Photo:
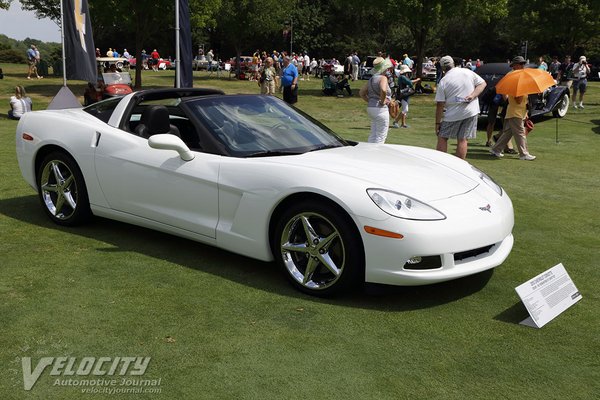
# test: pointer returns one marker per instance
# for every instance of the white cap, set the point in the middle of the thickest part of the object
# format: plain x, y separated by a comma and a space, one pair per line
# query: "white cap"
447, 61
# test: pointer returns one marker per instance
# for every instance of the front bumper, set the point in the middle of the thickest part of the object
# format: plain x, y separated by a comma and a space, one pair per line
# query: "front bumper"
461, 245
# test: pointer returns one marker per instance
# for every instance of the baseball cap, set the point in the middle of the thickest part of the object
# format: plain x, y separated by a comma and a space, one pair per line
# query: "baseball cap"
447, 61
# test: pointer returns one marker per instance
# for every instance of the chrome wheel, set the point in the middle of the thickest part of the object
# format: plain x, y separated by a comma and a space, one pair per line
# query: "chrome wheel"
62, 190
59, 191
318, 246
312, 251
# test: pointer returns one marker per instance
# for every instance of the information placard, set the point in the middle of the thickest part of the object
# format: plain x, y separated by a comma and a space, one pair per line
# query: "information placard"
547, 295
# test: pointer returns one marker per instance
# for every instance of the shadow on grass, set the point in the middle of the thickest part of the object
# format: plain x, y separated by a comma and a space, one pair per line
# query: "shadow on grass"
514, 314
261, 275
596, 128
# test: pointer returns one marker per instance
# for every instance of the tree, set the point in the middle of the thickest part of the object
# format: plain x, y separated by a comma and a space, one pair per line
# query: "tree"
423, 17
43, 8
243, 21
556, 27
5, 4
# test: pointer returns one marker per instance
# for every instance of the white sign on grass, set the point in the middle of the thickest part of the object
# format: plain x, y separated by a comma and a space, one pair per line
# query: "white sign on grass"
547, 295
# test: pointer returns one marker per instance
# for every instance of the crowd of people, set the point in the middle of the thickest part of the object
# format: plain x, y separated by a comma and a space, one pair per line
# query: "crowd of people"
392, 81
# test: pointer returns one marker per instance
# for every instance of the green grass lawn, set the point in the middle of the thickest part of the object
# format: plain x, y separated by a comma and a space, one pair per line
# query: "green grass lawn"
221, 326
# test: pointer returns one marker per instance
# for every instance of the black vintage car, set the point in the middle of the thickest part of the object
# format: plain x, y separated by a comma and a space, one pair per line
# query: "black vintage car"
554, 99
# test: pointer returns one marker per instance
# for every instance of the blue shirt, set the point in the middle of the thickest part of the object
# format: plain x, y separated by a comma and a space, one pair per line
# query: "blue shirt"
289, 74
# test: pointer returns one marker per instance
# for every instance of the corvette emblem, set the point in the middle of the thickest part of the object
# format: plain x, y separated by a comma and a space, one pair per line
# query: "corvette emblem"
487, 208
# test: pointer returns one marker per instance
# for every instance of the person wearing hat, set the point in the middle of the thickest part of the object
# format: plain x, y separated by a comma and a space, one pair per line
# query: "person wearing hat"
581, 71
404, 82
516, 112
457, 107
378, 95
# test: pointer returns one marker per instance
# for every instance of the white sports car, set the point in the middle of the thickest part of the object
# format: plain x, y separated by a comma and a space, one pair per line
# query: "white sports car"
254, 176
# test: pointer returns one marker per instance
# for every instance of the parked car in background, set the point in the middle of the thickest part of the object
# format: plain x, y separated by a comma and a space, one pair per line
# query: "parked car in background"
329, 68
555, 99
112, 81
428, 72
245, 66
200, 63
104, 63
366, 67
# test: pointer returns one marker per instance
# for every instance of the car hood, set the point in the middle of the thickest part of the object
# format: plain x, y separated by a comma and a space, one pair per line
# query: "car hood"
424, 174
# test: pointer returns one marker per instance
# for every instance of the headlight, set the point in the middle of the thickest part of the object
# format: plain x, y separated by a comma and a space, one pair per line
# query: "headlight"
488, 181
402, 206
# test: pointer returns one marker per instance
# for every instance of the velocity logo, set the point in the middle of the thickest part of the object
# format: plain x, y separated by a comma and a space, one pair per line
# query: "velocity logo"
71, 366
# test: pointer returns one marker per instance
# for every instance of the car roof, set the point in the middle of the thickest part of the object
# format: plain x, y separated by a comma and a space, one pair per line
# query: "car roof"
498, 68
158, 94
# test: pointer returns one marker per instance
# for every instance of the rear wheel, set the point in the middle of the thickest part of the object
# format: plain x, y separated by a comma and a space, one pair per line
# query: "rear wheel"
62, 190
562, 107
318, 248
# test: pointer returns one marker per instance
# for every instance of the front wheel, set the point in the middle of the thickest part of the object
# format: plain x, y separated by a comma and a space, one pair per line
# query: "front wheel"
62, 190
319, 248
562, 108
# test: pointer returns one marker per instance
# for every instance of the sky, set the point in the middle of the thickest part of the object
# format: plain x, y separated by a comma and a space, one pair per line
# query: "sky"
18, 24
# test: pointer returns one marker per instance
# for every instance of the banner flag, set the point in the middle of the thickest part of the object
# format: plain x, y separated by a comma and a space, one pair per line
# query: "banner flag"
185, 46
80, 52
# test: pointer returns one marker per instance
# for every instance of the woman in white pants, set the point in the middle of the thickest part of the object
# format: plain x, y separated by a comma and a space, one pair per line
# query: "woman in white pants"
378, 95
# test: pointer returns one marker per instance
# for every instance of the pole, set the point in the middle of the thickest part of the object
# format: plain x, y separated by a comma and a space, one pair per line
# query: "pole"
177, 51
62, 40
291, 34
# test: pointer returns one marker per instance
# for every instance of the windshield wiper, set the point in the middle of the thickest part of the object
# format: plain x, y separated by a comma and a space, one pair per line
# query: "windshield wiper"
270, 153
326, 146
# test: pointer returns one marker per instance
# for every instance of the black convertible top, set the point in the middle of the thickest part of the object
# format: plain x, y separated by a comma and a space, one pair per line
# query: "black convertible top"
158, 94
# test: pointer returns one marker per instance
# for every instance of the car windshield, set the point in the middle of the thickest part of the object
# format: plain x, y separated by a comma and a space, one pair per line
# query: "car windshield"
113, 78
252, 126
103, 109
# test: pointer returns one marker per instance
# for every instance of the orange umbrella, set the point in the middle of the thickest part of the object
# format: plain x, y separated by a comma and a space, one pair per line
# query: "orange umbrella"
524, 81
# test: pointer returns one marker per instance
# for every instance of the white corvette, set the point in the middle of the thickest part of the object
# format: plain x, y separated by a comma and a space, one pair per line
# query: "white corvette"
254, 176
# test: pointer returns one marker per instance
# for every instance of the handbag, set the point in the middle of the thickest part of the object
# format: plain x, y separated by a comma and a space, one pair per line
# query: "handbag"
528, 124
405, 93
394, 109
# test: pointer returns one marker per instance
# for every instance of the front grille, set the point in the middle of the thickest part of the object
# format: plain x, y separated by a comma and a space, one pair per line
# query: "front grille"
472, 253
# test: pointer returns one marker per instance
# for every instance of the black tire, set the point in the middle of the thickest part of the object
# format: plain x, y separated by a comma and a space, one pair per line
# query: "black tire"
62, 190
318, 248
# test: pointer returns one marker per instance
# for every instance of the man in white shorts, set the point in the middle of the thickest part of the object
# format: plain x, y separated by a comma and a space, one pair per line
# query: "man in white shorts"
457, 106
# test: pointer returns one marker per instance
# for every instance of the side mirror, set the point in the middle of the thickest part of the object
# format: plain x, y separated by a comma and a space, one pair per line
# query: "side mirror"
171, 142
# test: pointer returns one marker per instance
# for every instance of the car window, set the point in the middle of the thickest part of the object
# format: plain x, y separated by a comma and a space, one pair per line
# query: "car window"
177, 118
261, 125
103, 109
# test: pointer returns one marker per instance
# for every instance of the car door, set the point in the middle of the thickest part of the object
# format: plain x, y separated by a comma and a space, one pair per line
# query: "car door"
157, 184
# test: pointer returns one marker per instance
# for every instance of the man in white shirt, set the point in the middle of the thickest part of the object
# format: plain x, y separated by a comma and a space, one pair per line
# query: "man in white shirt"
457, 93
581, 71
